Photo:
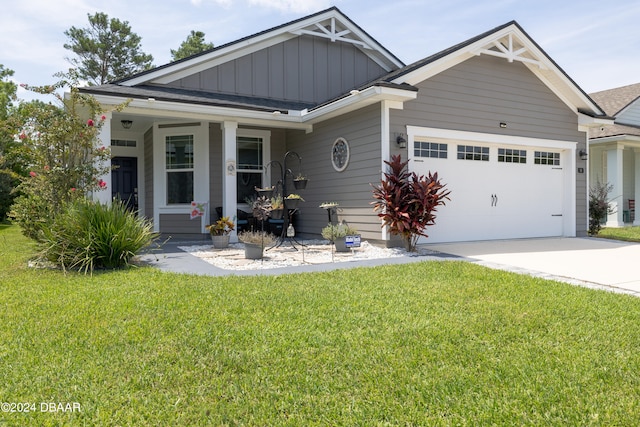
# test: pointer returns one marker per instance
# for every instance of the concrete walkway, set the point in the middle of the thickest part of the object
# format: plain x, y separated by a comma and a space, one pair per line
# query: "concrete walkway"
603, 263
596, 263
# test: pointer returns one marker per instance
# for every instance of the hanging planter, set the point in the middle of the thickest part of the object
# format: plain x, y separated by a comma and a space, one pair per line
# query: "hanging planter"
300, 183
292, 201
264, 192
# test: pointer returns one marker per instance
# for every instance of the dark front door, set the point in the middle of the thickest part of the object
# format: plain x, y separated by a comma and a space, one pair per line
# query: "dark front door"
124, 181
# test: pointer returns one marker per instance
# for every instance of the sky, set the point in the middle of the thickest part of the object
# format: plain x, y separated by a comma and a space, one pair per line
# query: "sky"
596, 43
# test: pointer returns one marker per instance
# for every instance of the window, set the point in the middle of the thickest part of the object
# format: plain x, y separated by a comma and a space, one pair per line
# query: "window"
546, 158
429, 149
471, 152
507, 155
250, 166
179, 165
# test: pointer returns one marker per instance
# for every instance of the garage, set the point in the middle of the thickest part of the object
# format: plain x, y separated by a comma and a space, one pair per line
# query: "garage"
501, 187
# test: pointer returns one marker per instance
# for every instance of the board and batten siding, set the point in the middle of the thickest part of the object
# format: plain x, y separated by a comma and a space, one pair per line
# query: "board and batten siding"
305, 69
148, 173
350, 188
482, 92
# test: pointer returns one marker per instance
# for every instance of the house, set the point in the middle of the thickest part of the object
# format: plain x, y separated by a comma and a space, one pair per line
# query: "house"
499, 121
614, 152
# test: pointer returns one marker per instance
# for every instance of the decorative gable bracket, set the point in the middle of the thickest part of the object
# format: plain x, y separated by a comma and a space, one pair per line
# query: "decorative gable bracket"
334, 31
512, 49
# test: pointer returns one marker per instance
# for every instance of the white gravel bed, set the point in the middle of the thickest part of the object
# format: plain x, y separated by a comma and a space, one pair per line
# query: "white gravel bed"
311, 252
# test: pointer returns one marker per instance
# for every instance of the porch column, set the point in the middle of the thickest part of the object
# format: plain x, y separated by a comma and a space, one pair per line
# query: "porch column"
615, 179
229, 187
104, 196
636, 176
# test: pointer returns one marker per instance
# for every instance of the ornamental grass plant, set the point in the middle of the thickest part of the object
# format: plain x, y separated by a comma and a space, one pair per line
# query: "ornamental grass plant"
88, 235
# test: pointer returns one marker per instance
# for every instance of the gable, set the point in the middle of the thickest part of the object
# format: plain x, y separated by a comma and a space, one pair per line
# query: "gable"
484, 91
630, 115
305, 69
511, 44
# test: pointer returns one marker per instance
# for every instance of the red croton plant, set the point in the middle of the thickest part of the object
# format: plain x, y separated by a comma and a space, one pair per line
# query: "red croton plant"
407, 202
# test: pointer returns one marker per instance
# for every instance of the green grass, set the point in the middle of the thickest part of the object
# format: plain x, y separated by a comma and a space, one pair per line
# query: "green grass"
628, 234
440, 343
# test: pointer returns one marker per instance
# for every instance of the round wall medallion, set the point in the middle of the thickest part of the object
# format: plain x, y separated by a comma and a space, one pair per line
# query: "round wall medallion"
340, 154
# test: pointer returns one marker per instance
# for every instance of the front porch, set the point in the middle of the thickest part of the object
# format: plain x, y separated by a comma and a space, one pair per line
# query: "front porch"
617, 163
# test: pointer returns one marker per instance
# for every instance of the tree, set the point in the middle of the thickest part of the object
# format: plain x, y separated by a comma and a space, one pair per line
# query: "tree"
8, 178
407, 202
193, 44
106, 51
61, 146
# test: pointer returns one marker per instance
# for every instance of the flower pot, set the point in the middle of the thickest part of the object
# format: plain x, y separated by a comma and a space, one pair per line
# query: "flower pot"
253, 251
277, 213
220, 241
341, 245
300, 184
291, 203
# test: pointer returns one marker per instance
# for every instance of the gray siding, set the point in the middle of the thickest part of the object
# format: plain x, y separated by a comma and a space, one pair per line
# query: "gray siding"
148, 173
178, 224
307, 69
481, 92
350, 188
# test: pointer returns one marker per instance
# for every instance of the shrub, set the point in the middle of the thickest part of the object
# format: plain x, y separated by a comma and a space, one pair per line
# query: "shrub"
89, 235
599, 207
336, 231
407, 202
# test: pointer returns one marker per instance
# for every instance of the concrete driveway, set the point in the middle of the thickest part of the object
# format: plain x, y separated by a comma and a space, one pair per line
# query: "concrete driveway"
597, 261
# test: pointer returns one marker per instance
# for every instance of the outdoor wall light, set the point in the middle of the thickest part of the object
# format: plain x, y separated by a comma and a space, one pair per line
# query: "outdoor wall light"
126, 123
583, 155
401, 141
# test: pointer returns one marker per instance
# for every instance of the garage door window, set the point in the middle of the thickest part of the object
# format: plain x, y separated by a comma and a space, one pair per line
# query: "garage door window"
546, 158
508, 155
471, 152
429, 149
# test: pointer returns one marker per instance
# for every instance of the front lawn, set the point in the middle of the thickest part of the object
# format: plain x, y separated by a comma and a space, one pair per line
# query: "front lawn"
628, 234
440, 343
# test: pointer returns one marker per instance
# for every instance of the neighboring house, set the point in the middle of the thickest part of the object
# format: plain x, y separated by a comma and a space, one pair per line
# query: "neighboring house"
614, 152
499, 121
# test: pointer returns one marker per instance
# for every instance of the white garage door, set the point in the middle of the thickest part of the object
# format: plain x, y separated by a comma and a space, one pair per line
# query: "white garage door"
498, 191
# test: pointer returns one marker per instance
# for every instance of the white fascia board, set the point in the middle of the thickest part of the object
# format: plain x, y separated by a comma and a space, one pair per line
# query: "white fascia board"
615, 139
355, 101
206, 112
588, 121
487, 138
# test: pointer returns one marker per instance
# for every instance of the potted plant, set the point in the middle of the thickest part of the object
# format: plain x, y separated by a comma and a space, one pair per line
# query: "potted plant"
292, 201
277, 207
255, 242
336, 234
220, 231
300, 181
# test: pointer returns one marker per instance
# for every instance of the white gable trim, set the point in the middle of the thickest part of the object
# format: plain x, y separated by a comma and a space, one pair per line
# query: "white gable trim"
511, 44
314, 25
